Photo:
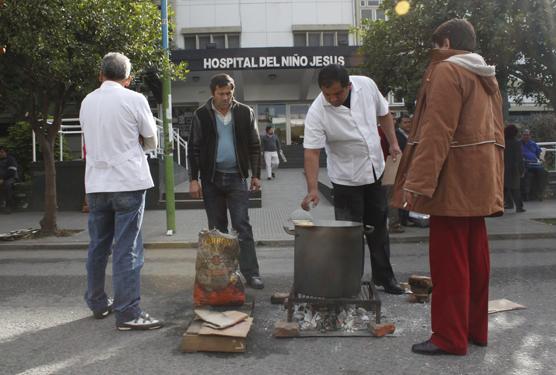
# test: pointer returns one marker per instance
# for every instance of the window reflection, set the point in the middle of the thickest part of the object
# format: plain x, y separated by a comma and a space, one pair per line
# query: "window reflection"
297, 122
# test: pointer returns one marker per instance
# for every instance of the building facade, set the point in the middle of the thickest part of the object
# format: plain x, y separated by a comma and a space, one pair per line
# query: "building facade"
272, 48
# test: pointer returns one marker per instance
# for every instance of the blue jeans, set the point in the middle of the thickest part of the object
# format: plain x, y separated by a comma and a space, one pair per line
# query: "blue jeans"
228, 191
115, 221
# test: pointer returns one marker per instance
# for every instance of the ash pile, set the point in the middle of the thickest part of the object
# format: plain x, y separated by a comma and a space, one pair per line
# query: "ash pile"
345, 318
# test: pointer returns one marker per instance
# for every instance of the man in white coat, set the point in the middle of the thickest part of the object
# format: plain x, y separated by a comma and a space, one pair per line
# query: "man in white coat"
119, 128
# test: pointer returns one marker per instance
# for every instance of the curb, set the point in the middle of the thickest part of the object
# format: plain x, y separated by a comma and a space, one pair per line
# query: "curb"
190, 245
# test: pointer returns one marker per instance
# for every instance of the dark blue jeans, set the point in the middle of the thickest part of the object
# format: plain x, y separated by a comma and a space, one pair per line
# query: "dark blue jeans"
115, 226
229, 191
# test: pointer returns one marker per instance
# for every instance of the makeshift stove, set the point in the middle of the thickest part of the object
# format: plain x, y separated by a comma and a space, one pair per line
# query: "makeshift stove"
328, 314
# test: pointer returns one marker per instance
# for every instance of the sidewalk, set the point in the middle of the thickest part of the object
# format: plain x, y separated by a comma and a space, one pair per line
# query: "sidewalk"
280, 197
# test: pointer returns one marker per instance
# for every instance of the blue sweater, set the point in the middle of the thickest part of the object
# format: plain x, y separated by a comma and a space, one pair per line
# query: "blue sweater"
226, 152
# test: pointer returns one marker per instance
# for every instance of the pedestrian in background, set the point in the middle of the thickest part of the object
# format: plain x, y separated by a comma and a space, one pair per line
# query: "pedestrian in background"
116, 122
514, 169
8, 177
453, 169
536, 177
271, 147
223, 146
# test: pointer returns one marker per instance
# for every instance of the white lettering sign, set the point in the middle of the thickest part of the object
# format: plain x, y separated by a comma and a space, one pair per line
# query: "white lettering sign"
293, 61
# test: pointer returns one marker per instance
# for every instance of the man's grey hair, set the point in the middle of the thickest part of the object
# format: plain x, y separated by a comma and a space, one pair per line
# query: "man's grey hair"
115, 66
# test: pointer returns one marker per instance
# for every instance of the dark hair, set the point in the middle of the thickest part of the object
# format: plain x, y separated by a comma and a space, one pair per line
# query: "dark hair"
459, 32
510, 131
402, 116
221, 80
333, 73
3, 148
268, 128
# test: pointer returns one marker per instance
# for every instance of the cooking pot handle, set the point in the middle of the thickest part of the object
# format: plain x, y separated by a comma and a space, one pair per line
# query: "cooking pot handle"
289, 230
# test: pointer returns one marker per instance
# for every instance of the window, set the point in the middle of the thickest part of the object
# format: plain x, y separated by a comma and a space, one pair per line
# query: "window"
299, 40
343, 38
216, 40
219, 40
370, 10
320, 38
367, 14
203, 41
297, 122
328, 39
314, 39
233, 40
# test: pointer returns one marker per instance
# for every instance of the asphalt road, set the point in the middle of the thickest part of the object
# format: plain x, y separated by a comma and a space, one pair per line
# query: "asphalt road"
46, 328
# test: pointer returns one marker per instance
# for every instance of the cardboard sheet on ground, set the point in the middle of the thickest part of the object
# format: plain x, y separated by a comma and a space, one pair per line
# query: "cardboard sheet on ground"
390, 170
241, 329
220, 319
503, 304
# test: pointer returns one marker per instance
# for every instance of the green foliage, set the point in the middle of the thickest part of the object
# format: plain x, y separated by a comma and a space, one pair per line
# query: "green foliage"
518, 36
20, 144
542, 126
59, 49
53, 52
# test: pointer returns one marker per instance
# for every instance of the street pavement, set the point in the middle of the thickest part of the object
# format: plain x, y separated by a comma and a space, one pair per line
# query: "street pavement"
47, 329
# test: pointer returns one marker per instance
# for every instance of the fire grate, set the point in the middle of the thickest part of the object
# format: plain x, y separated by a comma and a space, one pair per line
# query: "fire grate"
367, 299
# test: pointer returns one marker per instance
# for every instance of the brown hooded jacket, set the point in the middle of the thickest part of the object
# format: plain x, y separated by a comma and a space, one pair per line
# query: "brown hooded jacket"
453, 160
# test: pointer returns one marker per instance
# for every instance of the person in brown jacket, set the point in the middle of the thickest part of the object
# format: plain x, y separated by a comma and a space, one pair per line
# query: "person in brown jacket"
453, 169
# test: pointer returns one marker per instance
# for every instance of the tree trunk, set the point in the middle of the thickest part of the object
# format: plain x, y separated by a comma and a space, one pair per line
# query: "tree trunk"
502, 78
48, 221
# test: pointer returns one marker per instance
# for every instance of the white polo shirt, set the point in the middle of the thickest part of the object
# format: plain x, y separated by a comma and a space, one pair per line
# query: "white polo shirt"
349, 135
112, 118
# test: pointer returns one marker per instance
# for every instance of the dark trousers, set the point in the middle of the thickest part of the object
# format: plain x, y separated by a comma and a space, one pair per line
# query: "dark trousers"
7, 193
460, 266
512, 196
229, 191
367, 204
534, 183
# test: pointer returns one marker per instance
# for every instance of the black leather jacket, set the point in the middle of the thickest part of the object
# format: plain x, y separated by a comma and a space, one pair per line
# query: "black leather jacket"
203, 142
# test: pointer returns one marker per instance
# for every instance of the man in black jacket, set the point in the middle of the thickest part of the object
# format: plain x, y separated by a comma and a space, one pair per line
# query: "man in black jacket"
223, 146
8, 176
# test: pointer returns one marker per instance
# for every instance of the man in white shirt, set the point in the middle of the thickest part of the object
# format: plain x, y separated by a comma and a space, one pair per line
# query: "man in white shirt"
343, 120
119, 128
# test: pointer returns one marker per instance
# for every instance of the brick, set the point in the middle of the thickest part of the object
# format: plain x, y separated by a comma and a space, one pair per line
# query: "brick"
381, 330
420, 284
286, 329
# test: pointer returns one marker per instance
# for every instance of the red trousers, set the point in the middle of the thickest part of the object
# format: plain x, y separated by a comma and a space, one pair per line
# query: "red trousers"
460, 267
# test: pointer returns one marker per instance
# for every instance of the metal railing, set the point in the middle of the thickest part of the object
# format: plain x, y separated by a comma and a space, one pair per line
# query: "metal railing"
75, 129
178, 143
549, 149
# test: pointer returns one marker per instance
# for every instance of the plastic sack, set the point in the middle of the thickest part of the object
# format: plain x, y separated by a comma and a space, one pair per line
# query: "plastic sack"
217, 278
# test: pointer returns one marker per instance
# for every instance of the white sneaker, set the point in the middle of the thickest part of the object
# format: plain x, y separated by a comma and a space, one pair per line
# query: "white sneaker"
141, 323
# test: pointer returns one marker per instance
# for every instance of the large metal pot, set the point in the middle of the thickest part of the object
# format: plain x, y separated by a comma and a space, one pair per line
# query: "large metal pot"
328, 260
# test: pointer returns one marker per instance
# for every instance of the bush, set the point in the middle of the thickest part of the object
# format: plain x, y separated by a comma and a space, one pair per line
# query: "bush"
542, 126
20, 145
